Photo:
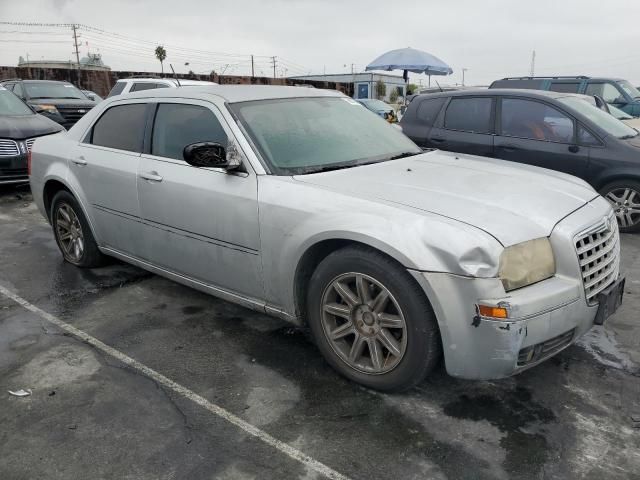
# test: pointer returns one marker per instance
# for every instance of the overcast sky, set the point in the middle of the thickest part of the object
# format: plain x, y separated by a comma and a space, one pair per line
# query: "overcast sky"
491, 38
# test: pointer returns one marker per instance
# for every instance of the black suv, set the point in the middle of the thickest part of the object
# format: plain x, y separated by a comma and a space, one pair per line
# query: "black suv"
62, 102
547, 129
19, 128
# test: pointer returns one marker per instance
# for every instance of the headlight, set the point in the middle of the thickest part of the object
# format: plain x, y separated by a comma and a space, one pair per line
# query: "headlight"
46, 108
526, 263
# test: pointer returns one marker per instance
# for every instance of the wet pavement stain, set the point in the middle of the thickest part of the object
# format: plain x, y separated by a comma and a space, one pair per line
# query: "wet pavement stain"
516, 415
192, 309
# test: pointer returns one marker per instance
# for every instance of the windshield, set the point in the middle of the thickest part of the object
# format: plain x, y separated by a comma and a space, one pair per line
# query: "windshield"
376, 105
312, 134
629, 89
602, 119
53, 90
12, 105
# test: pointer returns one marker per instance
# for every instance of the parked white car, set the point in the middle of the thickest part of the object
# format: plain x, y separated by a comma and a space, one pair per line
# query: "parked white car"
137, 84
301, 204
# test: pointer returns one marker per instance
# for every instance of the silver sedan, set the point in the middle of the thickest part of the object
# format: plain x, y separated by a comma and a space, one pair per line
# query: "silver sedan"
302, 204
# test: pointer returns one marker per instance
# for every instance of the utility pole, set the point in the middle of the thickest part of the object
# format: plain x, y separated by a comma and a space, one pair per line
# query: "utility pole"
77, 51
252, 71
463, 70
533, 63
274, 66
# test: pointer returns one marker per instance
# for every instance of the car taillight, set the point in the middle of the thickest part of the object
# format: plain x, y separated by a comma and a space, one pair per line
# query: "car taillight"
29, 163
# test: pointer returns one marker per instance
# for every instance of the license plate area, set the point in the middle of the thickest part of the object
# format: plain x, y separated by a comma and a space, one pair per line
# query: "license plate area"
609, 300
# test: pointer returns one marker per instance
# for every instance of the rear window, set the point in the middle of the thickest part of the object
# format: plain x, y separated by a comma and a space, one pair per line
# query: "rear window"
518, 83
121, 127
469, 115
565, 87
117, 89
139, 86
428, 110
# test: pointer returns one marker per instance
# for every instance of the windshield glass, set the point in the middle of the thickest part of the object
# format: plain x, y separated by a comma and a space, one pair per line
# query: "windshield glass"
312, 134
12, 105
376, 105
619, 114
53, 90
630, 90
602, 119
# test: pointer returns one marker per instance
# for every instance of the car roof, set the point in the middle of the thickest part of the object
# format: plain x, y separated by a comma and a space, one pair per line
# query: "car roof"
560, 79
183, 81
483, 92
233, 93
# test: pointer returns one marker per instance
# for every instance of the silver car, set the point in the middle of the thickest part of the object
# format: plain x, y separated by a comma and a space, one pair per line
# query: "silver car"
301, 204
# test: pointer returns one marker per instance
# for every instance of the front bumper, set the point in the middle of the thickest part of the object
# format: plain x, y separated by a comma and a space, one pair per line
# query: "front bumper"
544, 318
13, 169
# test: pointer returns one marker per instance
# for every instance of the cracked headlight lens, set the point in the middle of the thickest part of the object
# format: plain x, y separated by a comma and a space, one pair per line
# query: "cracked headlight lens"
526, 263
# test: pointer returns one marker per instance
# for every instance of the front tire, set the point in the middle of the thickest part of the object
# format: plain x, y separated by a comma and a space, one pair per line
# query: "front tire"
73, 234
371, 320
624, 196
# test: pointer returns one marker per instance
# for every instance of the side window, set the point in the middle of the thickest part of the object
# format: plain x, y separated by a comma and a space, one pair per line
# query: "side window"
139, 86
585, 137
17, 89
9, 86
607, 91
178, 125
117, 89
535, 120
428, 110
121, 127
565, 87
161, 85
469, 115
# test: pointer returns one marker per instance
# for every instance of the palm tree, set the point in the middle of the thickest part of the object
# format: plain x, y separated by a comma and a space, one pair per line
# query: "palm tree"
161, 54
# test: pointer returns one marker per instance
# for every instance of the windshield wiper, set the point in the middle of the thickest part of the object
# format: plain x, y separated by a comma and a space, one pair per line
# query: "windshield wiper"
404, 155
627, 137
329, 168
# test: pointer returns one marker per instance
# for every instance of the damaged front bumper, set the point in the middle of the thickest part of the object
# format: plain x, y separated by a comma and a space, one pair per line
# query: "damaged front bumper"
544, 318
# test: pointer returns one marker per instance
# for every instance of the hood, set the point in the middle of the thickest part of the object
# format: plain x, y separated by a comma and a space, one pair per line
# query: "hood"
633, 123
510, 201
18, 127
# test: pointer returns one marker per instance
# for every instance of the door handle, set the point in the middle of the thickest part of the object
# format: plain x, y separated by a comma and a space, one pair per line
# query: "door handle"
151, 176
80, 161
508, 147
574, 148
438, 139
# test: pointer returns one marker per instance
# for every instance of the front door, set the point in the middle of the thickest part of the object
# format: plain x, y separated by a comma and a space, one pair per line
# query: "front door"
536, 133
105, 166
199, 222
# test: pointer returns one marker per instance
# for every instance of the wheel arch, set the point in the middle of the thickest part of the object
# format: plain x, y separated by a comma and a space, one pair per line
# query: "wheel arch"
616, 177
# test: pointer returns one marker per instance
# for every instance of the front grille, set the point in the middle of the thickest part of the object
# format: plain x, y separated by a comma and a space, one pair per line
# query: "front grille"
73, 114
599, 253
13, 172
8, 148
540, 351
29, 143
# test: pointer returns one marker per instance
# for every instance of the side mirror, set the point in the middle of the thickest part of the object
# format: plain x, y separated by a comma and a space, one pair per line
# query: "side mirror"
211, 155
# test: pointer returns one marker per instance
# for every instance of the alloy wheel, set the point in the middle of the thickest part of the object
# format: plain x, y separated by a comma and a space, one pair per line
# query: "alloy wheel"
626, 205
69, 232
363, 323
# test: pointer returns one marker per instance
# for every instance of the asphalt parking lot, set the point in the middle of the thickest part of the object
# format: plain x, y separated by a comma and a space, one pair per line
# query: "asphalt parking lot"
258, 401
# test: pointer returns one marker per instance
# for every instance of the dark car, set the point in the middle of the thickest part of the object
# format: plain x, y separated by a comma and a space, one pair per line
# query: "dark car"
615, 91
62, 102
19, 128
547, 129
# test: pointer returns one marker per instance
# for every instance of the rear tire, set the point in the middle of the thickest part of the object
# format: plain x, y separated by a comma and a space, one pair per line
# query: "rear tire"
624, 196
73, 234
371, 320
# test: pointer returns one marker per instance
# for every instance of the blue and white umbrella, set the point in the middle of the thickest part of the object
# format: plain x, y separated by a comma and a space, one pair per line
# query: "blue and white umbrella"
410, 60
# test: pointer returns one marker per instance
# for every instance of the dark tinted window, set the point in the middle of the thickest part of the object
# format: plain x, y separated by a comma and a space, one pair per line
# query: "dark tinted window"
121, 127
565, 87
524, 83
535, 120
585, 137
469, 115
178, 125
117, 89
137, 87
428, 110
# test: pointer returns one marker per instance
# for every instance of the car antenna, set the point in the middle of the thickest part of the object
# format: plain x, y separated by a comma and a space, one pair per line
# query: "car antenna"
434, 81
174, 75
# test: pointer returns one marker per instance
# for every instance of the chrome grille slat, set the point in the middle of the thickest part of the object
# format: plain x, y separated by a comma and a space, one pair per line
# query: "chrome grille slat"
8, 148
29, 143
598, 253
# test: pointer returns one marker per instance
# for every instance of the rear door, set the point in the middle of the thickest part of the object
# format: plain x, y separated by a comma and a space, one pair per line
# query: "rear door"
417, 124
106, 167
466, 126
536, 133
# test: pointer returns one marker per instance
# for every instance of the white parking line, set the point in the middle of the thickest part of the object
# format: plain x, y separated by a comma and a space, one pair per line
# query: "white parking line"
285, 448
